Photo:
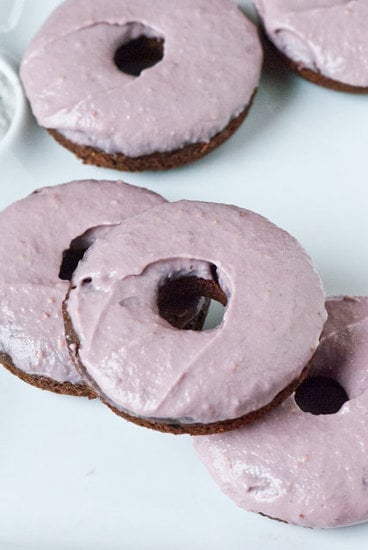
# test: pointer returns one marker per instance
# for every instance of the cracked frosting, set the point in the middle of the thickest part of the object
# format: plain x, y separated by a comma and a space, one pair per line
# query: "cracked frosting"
208, 74
326, 36
299, 467
142, 365
35, 232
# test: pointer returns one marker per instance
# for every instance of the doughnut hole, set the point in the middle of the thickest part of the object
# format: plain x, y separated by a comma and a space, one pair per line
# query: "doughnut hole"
335, 376
178, 298
215, 315
72, 257
320, 395
76, 251
141, 50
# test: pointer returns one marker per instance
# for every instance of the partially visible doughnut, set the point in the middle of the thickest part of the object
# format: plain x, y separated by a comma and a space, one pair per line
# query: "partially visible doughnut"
325, 42
35, 234
303, 468
184, 381
84, 87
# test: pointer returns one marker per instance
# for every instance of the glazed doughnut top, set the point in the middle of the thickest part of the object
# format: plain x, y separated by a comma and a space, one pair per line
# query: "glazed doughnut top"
34, 233
326, 36
142, 365
210, 68
300, 467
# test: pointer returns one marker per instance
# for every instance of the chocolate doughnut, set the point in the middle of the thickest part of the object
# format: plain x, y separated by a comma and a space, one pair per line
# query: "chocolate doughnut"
141, 85
42, 238
306, 462
185, 381
325, 42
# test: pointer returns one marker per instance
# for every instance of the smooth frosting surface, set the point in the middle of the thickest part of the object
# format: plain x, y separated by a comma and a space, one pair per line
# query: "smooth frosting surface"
34, 232
144, 366
326, 36
209, 71
299, 467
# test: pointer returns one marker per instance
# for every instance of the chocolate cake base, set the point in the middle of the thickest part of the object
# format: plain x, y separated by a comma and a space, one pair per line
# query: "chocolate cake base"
45, 383
324, 81
314, 76
155, 161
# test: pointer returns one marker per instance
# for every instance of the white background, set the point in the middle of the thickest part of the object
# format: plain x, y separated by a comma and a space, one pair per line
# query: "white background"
72, 474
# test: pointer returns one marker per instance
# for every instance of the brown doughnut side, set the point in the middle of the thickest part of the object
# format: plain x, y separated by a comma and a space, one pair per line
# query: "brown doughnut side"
321, 80
314, 76
214, 427
155, 161
273, 519
283, 521
45, 383
172, 427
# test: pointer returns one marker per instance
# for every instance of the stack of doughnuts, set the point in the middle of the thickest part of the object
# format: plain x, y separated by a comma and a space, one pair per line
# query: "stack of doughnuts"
131, 277
105, 294
138, 274
185, 381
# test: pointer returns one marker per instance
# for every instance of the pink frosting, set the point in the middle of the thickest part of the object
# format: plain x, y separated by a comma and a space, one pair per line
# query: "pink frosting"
143, 365
326, 36
306, 469
34, 232
210, 69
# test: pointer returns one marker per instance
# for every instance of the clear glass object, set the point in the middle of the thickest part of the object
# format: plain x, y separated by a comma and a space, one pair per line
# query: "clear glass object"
10, 11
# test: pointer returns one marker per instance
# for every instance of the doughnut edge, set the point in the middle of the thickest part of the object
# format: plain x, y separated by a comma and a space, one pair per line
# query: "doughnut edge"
312, 76
155, 161
45, 383
194, 429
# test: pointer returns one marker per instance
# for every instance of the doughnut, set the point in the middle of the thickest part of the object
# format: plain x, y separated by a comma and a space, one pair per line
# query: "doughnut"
306, 462
42, 238
325, 42
184, 381
140, 85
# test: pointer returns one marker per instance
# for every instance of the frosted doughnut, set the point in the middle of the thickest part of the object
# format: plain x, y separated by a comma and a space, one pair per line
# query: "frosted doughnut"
35, 233
192, 99
185, 381
325, 42
303, 468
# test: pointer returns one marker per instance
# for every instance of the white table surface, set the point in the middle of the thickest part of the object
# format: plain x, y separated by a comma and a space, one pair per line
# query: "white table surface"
74, 476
